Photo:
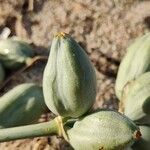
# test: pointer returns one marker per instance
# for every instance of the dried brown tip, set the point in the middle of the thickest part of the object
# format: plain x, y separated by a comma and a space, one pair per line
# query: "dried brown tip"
61, 34
137, 135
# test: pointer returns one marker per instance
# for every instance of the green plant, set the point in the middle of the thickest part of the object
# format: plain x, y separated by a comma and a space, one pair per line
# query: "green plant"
69, 87
101, 130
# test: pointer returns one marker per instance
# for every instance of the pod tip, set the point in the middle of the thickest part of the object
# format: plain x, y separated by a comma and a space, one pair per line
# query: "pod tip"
137, 135
61, 34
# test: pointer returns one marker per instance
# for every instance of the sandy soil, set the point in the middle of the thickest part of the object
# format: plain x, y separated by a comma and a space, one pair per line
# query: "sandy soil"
104, 28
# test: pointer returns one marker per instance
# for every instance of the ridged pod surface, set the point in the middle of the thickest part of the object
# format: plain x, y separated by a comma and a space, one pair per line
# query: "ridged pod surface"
135, 62
103, 130
22, 105
144, 142
136, 99
69, 82
2, 73
14, 53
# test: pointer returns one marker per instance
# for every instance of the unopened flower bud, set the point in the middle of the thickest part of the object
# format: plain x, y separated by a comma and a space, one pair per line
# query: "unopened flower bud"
69, 82
103, 130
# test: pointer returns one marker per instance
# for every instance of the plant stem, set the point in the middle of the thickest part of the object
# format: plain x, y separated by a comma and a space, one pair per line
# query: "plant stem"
29, 131
29, 62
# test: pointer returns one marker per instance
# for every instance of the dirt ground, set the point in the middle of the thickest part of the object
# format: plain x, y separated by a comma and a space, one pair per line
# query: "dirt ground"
104, 28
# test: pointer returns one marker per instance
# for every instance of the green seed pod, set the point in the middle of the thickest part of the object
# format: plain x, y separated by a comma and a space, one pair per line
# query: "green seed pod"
14, 53
103, 130
22, 105
137, 100
2, 73
144, 142
135, 63
69, 83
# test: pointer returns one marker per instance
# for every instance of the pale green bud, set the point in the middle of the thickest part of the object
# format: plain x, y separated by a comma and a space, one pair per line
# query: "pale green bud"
136, 99
69, 83
22, 105
103, 130
14, 53
135, 62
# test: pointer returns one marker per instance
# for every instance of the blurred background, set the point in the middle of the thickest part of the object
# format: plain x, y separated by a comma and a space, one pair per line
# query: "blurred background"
104, 28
